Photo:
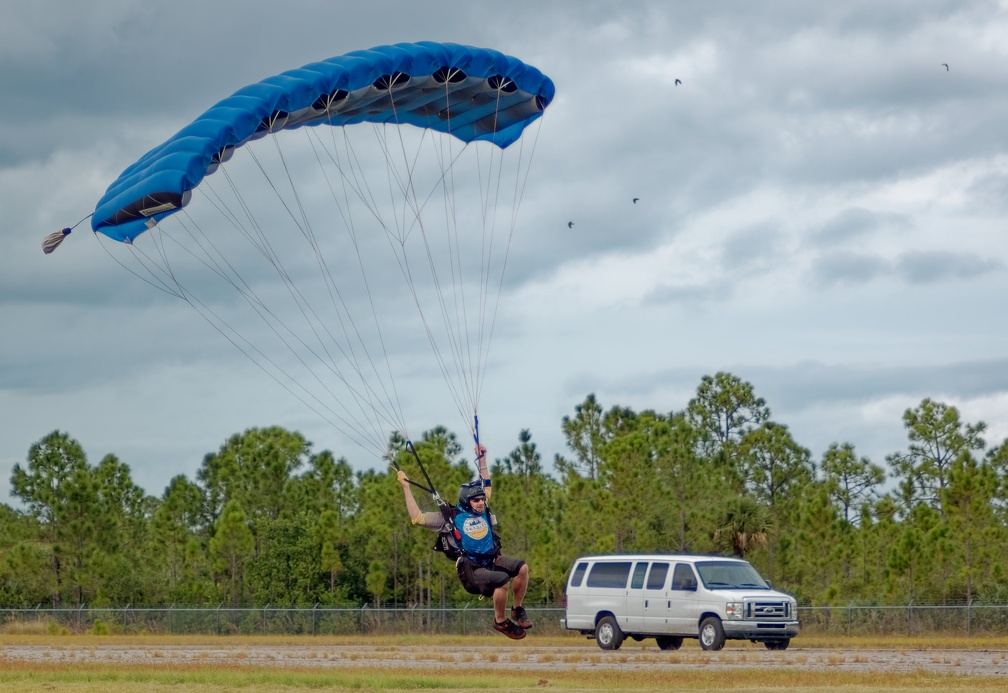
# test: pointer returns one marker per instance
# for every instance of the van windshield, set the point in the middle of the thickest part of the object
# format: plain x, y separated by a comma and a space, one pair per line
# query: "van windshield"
730, 575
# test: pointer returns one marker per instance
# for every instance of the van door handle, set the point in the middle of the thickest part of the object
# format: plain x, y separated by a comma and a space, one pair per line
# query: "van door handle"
645, 603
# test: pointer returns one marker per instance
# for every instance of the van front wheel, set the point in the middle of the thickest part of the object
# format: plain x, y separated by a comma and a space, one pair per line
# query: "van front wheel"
608, 634
711, 633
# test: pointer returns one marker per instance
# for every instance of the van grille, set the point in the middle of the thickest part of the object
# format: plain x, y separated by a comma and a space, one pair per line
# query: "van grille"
768, 611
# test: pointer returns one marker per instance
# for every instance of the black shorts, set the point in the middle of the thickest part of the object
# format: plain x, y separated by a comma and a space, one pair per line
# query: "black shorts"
484, 581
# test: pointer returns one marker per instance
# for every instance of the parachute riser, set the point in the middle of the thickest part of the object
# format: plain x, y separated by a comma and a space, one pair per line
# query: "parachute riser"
430, 484
479, 473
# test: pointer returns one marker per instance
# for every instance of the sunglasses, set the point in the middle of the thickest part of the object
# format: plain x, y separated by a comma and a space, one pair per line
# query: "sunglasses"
477, 499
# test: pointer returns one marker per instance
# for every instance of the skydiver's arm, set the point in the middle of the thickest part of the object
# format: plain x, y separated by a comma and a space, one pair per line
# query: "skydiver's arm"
432, 521
484, 471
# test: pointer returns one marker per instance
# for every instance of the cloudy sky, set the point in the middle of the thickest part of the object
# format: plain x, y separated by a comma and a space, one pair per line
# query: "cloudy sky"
823, 210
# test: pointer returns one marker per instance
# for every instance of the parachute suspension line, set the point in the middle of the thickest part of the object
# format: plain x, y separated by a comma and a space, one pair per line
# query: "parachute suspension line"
410, 199
490, 189
335, 297
452, 331
453, 241
153, 279
211, 316
451, 229
350, 421
489, 200
470, 363
522, 171
392, 412
467, 368
395, 239
462, 328
345, 212
396, 242
275, 324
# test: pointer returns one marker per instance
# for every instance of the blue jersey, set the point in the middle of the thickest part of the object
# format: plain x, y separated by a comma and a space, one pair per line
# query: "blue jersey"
477, 534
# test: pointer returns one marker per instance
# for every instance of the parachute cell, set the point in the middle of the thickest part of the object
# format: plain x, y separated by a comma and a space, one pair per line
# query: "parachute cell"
469, 93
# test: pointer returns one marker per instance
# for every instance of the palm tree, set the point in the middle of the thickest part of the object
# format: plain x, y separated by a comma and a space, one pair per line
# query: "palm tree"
744, 524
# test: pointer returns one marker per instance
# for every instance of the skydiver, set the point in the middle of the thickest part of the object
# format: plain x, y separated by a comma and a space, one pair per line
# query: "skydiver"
481, 568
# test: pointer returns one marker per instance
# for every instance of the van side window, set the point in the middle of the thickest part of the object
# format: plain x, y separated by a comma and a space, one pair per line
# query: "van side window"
638, 575
609, 574
656, 578
682, 577
578, 574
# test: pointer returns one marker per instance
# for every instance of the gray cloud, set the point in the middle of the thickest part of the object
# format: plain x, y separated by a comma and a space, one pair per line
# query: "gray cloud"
753, 247
928, 267
809, 384
847, 267
853, 224
805, 134
689, 295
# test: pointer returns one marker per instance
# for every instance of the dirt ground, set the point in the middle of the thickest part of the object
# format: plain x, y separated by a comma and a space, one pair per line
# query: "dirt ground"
531, 656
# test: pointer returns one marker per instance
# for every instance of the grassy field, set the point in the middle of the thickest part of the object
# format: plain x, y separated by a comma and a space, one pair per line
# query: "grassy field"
486, 663
94, 678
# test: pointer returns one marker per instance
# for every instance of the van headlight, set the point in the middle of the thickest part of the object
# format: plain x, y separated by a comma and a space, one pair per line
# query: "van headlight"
734, 610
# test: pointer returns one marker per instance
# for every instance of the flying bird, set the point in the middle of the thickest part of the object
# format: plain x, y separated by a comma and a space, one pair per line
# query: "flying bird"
635, 200
678, 82
945, 65
570, 224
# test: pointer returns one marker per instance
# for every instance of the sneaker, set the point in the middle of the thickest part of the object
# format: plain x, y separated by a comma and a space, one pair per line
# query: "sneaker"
521, 618
509, 629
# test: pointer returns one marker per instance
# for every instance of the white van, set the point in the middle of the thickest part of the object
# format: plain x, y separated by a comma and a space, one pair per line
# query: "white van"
670, 597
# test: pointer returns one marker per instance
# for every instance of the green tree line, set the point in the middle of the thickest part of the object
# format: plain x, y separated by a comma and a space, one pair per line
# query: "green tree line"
269, 521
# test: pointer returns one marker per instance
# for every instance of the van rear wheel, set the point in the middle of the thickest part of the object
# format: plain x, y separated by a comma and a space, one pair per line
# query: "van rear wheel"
712, 635
669, 642
608, 634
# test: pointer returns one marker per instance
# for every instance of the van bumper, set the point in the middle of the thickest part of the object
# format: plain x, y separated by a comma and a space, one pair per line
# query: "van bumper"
759, 630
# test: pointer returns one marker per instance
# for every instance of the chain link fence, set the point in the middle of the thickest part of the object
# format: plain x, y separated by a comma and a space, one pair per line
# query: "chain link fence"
271, 620
905, 620
909, 620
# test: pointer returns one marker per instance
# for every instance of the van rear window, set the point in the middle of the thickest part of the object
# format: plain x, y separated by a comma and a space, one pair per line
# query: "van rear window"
609, 574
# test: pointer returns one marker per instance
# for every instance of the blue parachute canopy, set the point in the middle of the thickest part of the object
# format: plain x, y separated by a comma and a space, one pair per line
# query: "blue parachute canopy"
469, 93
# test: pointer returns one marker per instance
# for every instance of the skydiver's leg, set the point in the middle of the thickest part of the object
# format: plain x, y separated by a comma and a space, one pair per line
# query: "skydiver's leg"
500, 597
520, 584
